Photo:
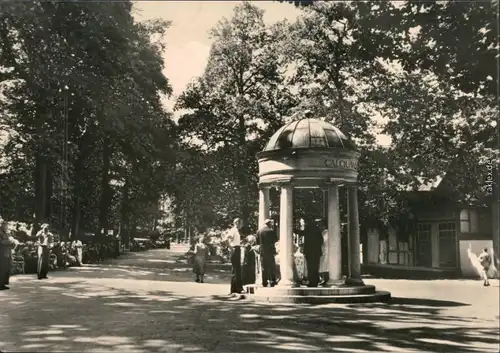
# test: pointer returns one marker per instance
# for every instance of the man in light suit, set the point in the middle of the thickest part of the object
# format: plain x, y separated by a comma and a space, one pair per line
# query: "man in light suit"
44, 243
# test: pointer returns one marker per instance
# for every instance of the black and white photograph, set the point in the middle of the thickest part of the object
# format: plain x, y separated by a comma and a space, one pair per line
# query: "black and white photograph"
249, 176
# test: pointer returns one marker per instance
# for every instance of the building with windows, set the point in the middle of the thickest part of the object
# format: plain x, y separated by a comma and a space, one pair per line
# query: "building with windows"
434, 240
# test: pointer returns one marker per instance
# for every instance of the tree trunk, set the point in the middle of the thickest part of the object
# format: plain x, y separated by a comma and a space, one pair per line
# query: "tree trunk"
75, 226
40, 179
125, 215
241, 171
128, 235
156, 217
124, 204
75, 222
495, 209
48, 193
41, 168
105, 201
133, 228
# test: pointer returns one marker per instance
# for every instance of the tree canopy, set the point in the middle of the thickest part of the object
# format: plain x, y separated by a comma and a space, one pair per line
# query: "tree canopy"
89, 145
370, 68
88, 136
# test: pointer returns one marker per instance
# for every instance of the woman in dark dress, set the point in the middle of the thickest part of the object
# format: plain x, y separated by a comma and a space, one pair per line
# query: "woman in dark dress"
200, 258
249, 269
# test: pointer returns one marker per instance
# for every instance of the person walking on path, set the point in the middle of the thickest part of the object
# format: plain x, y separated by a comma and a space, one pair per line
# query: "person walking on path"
266, 239
200, 259
485, 260
235, 252
6, 244
44, 240
77, 248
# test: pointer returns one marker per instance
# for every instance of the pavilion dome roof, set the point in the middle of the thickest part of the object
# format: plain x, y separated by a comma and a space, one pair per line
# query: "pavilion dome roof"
308, 133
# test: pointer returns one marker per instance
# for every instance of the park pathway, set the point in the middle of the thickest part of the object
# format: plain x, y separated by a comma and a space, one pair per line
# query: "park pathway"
146, 302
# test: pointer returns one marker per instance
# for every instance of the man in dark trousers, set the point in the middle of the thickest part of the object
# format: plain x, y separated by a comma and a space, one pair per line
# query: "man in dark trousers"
266, 238
235, 250
313, 241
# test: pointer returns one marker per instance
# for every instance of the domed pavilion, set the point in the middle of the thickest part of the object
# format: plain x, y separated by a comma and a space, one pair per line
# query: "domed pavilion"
312, 153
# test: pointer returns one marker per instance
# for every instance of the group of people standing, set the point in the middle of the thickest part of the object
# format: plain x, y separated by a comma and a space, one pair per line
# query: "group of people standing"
314, 250
259, 253
44, 243
8, 243
243, 272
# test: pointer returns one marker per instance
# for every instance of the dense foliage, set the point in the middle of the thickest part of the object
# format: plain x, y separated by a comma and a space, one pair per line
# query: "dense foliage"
90, 146
371, 68
89, 143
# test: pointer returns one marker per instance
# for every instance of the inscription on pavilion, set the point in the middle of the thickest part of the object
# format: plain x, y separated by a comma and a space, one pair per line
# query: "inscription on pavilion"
341, 163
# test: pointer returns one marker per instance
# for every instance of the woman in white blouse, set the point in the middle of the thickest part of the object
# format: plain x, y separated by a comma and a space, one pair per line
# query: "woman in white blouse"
234, 239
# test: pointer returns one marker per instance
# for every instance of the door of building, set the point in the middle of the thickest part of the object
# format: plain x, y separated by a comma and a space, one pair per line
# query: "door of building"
423, 245
447, 245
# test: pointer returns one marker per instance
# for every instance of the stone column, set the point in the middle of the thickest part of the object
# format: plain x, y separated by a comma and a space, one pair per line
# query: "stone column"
334, 240
286, 235
354, 277
264, 204
325, 205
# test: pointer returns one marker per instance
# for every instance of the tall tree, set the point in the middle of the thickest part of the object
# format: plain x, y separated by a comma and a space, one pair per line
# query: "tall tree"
338, 73
241, 94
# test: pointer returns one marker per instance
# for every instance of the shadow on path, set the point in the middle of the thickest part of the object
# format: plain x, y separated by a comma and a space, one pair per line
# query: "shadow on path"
76, 316
426, 302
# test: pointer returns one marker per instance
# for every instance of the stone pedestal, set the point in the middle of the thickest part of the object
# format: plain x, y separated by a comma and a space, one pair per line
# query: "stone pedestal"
304, 295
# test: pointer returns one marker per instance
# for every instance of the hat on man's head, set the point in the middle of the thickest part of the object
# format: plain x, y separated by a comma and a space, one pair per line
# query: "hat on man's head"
268, 221
45, 225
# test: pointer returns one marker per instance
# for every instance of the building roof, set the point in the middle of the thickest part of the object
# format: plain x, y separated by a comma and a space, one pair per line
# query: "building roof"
431, 185
308, 133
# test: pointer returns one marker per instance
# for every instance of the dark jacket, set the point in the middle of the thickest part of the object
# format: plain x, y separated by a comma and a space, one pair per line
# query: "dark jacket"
266, 238
313, 241
5, 245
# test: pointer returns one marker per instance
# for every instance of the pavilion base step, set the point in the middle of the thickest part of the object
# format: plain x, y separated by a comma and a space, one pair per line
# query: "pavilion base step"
333, 290
378, 296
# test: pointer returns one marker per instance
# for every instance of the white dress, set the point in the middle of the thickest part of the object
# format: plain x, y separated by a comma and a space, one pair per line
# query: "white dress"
323, 261
300, 266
